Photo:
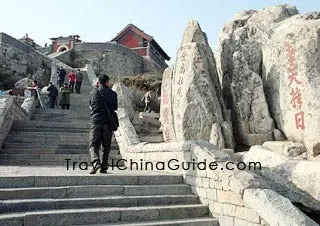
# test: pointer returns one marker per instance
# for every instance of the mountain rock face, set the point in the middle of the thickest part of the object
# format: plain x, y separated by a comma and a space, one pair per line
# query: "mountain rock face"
249, 105
16, 64
280, 49
191, 98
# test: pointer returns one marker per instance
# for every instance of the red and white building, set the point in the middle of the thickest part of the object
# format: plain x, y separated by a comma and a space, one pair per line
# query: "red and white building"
61, 44
142, 43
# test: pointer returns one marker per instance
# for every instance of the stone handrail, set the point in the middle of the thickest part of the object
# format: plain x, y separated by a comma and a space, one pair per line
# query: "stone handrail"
107, 46
235, 197
91, 74
10, 111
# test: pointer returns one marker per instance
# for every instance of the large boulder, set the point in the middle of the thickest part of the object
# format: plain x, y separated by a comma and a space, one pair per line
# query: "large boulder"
297, 180
23, 83
291, 78
281, 46
247, 32
195, 90
250, 109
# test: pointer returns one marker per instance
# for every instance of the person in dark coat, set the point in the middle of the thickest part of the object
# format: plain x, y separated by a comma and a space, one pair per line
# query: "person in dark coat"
53, 94
61, 76
65, 97
79, 78
100, 132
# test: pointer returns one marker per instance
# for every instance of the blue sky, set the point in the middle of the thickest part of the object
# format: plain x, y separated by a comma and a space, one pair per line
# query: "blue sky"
101, 20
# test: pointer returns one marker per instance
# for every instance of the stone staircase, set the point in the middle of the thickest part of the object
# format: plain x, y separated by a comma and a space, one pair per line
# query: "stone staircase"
36, 188
54, 135
104, 200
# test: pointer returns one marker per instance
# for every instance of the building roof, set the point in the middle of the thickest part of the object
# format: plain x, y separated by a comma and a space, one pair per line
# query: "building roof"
141, 34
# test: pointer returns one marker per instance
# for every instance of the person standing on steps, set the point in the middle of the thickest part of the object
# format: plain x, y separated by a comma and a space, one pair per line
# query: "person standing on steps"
72, 79
65, 97
102, 97
147, 100
61, 76
53, 94
79, 78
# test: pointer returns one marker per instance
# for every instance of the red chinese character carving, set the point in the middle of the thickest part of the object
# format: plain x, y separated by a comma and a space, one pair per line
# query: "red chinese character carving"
299, 117
167, 135
291, 55
296, 101
293, 77
290, 50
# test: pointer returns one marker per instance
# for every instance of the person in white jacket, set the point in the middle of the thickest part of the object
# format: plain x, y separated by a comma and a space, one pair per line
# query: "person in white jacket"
147, 100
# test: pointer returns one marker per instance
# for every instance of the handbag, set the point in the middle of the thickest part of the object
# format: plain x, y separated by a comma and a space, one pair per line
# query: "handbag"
113, 117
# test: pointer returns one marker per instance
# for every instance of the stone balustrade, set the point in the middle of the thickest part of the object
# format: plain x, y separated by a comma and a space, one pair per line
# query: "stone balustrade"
10, 111
235, 197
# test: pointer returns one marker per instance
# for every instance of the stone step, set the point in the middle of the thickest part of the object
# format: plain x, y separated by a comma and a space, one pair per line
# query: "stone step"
61, 120
109, 179
176, 222
18, 205
87, 191
24, 134
53, 157
113, 152
105, 215
116, 163
38, 124
52, 145
48, 140
51, 129
67, 114
54, 136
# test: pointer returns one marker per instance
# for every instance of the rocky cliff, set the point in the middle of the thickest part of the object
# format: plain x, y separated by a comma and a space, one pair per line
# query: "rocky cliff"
16, 64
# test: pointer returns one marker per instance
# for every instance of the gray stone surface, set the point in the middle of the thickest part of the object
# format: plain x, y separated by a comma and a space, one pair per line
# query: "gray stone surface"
278, 135
216, 136
125, 98
16, 64
195, 96
295, 180
229, 138
283, 56
287, 148
291, 82
275, 209
10, 111
23, 83
245, 33
166, 109
250, 110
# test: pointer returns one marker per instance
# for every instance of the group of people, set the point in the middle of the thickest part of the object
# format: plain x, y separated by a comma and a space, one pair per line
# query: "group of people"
53, 96
75, 79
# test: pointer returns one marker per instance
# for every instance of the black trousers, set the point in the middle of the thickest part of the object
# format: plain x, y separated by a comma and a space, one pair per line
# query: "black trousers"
64, 106
71, 85
100, 134
60, 82
52, 102
78, 86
